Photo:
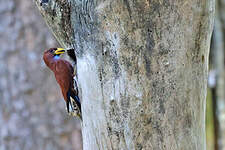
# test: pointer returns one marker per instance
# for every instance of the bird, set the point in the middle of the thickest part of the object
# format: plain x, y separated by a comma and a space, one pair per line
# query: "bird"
64, 75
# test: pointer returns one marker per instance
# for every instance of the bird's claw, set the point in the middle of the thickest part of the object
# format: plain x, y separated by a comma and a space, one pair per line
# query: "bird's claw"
75, 114
74, 111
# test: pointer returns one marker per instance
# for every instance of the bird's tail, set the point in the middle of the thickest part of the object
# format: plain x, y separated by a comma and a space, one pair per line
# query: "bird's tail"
76, 104
77, 99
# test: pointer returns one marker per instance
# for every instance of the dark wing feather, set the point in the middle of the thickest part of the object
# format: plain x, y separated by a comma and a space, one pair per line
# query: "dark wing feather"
72, 55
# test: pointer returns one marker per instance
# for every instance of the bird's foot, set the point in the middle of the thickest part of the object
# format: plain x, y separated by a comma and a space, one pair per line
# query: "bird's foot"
70, 113
74, 110
74, 106
75, 114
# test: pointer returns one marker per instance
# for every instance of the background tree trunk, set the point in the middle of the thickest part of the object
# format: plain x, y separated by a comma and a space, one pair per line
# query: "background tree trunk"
218, 75
142, 68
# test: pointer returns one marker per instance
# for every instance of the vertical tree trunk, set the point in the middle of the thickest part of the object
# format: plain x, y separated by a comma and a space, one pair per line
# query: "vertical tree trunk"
218, 67
142, 67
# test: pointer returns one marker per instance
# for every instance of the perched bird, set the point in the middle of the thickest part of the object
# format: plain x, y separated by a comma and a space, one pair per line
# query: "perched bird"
64, 74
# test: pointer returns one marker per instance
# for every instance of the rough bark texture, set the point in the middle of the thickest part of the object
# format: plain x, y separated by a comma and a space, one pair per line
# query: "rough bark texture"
32, 111
142, 68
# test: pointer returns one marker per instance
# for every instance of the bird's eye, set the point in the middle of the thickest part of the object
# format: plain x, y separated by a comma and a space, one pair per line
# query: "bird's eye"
51, 50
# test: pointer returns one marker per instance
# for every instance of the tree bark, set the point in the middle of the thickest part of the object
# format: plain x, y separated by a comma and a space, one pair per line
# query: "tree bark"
142, 68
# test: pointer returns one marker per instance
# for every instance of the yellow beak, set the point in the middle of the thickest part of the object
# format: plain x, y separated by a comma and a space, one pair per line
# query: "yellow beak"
59, 51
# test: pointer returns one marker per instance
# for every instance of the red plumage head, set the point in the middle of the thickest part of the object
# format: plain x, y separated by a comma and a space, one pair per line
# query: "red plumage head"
49, 55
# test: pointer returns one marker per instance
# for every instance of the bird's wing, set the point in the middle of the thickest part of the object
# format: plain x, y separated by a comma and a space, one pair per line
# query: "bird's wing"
72, 55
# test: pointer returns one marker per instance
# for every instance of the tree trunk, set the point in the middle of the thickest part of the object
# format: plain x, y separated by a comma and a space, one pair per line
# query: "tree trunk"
218, 68
142, 68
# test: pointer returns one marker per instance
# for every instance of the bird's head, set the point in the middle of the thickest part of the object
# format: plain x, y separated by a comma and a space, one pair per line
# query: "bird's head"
51, 54
54, 52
